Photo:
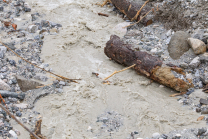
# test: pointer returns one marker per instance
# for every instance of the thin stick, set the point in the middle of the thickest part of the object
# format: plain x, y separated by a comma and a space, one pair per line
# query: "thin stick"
102, 14
139, 20
135, 17
18, 121
38, 66
119, 71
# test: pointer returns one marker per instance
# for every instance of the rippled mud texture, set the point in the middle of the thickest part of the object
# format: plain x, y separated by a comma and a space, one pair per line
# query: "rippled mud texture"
77, 51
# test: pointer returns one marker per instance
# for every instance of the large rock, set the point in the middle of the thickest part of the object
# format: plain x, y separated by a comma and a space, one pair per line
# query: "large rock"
26, 85
178, 44
197, 45
4, 86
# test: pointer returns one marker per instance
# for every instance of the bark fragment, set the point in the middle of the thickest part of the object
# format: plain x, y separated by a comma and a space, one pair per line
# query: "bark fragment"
38, 130
146, 64
132, 10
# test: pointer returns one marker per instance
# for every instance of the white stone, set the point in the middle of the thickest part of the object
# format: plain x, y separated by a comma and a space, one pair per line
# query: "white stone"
21, 105
197, 45
3, 49
189, 76
195, 62
4, 86
121, 28
156, 135
14, 135
153, 50
32, 28
169, 33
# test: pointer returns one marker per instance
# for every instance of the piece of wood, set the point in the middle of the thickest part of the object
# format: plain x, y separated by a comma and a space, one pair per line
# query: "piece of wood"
146, 64
38, 130
132, 10
119, 71
102, 14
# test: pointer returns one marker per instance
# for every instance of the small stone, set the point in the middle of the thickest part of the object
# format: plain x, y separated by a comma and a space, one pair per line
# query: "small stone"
184, 65
197, 45
1, 8
177, 136
169, 33
12, 62
45, 23
3, 49
26, 84
198, 110
164, 136
203, 101
4, 86
62, 83
202, 131
32, 28
1, 116
155, 135
204, 111
119, 28
18, 113
195, 62
1, 54
26, 9
54, 30
203, 57
204, 78
14, 135
21, 105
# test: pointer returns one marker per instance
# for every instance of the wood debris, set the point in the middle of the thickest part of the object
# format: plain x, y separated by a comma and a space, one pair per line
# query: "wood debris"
134, 11
146, 64
38, 131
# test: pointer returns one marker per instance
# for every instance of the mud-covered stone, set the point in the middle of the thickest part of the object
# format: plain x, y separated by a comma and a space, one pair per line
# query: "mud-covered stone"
178, 44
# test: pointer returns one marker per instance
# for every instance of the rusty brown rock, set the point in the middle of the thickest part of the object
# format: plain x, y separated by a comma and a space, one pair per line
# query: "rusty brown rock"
146, 64
130, 9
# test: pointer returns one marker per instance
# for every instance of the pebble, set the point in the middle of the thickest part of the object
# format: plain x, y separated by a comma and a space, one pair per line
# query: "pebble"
32, 28
1, 8
155, 135
14, 135
202, 131
195, 63
18, 113
197, 45
4, 86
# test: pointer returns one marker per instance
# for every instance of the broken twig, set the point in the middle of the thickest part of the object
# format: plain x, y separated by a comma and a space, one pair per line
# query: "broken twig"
38, 130
13, 117
131, 9
139, 20
102, 14
64, 78
119, 71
